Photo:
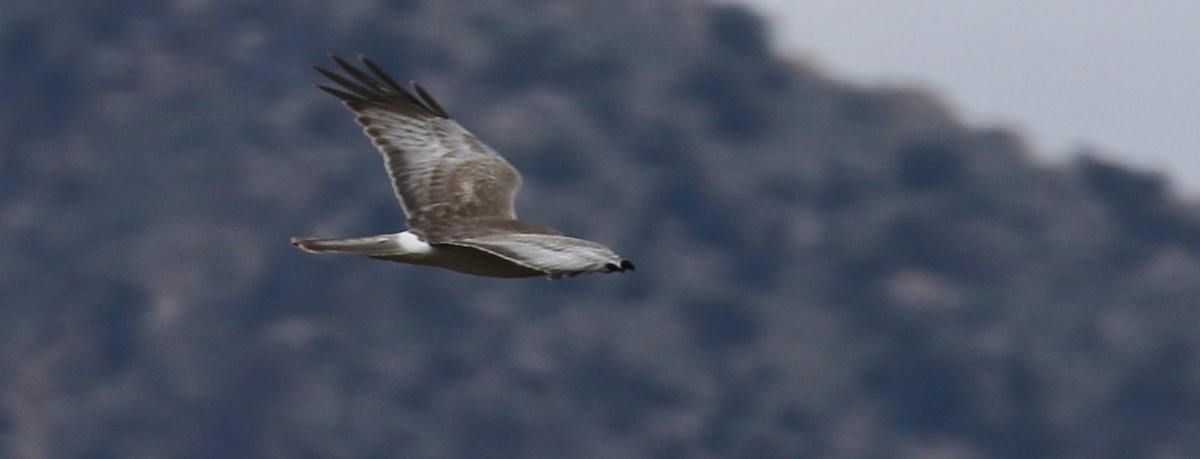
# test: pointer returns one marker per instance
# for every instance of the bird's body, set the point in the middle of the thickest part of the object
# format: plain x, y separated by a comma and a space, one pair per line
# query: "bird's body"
407, 247
456, 192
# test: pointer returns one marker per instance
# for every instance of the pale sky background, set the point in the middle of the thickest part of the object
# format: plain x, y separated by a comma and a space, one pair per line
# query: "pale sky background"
1120, 76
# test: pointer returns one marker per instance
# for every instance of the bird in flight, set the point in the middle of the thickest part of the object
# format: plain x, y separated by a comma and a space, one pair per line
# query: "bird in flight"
456, 192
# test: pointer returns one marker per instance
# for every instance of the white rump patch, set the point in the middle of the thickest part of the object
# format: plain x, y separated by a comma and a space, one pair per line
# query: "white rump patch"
410, 243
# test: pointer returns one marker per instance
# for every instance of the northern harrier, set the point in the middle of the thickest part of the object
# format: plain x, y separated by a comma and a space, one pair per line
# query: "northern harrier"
456, 192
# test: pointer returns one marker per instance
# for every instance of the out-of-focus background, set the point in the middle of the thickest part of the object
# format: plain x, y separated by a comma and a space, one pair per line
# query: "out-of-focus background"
1068, 74
827, 267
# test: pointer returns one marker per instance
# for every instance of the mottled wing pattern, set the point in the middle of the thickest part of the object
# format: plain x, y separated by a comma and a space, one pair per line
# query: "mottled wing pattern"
438, 169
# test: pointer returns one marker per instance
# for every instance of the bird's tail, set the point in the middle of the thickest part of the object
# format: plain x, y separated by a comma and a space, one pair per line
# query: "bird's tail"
371, 246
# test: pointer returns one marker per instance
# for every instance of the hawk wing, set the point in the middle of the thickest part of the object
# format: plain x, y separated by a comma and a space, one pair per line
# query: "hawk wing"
530, 245
438, 169
557, 256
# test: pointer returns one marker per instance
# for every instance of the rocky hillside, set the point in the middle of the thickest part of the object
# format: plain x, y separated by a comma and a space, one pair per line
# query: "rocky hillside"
825, 270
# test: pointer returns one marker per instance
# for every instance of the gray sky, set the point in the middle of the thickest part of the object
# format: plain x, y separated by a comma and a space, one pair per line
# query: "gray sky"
1121, 76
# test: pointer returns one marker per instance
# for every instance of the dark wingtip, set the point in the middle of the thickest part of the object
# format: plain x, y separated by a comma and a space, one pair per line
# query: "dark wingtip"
429, 101
374, 86
625, 265
339, 61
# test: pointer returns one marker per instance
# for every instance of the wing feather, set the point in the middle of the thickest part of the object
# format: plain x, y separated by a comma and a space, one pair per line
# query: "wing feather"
439, 170
555, 255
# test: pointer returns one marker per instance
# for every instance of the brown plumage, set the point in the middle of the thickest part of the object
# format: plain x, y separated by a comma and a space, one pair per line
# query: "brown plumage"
456, 192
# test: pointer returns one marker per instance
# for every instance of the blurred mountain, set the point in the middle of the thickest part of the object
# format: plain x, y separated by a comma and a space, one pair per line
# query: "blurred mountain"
825, 270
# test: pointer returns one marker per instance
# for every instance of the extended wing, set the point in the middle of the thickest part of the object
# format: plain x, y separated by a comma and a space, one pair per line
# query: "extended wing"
438, 169
557, 256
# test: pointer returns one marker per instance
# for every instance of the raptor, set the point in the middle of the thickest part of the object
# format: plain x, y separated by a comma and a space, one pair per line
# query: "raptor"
457, 193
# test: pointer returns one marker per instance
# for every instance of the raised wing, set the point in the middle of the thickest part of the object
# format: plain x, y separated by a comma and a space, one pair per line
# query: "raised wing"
439, 170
